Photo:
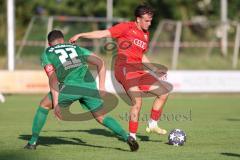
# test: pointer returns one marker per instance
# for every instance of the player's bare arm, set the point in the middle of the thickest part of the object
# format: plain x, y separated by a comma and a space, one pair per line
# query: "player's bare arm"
91, 35
153, 68
53, 84
95, 60
148, 64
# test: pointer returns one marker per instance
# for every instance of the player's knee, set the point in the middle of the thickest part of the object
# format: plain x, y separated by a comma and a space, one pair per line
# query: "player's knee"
47, 104
163, 97
99, 115
137, 107
137, 102
99, 119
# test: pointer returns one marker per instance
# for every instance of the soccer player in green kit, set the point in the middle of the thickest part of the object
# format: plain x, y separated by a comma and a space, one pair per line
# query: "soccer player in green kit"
66, 66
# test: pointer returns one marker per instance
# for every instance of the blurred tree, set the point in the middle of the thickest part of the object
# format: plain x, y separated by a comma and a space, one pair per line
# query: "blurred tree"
233, 10
2, 27
167, 9
164, 9
125, 8
72, 7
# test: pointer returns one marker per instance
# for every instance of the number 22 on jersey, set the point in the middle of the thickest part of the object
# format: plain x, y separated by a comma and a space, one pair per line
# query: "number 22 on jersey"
68, 57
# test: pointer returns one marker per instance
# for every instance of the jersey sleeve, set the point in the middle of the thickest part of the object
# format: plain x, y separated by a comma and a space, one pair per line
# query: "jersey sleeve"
118, 30
45, 60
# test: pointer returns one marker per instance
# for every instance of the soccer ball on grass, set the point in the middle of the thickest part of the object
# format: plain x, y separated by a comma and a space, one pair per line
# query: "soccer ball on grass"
177, 137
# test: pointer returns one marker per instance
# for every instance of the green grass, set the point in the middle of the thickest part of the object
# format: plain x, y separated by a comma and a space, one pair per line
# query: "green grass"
211, 123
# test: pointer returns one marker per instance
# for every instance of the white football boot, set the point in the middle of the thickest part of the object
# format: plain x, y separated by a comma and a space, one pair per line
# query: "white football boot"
153, 128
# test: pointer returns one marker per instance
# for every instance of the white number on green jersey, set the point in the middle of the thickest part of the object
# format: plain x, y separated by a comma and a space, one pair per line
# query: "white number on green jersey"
68, 57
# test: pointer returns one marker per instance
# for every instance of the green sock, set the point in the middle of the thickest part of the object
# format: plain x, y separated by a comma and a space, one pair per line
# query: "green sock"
113, 125
38, 122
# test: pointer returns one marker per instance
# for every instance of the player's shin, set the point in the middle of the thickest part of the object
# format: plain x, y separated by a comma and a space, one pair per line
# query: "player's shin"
38, 122
155, 115
113, 125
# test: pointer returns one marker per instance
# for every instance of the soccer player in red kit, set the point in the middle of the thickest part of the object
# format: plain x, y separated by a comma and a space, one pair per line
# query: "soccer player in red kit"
133, 39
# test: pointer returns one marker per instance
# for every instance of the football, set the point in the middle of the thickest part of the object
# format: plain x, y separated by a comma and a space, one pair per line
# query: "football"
177, 137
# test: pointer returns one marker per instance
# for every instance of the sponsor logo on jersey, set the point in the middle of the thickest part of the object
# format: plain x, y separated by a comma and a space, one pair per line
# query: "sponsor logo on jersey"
140, 43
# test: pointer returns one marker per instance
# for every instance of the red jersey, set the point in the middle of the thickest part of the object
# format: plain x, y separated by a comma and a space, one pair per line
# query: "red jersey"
132, 42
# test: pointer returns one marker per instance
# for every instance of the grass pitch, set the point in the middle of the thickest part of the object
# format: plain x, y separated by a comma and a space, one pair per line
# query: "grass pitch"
211, 122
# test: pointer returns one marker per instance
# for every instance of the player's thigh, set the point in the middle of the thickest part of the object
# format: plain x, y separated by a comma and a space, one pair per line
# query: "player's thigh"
90, 98
160, 88
130, 83
65, 100
92, 103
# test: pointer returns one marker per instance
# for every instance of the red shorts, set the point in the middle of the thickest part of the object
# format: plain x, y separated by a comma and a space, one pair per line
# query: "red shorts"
129, 78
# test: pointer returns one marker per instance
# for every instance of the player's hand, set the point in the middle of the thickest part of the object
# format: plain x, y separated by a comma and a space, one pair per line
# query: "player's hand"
162, 74
102, 91
57, 112
74, 38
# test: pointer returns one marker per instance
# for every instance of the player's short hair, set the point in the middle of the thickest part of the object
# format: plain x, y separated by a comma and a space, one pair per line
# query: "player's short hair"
54, 34
143, 9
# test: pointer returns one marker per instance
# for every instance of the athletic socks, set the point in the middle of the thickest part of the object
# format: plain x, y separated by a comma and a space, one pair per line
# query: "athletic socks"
156, 114
133, 126
133, 135
152, 123
113, 125
38, 122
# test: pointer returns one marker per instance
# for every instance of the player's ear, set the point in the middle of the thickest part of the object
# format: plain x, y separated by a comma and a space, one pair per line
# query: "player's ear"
138, 20
49, 44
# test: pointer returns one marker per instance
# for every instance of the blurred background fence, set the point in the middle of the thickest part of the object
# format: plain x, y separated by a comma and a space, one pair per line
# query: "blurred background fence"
196, 34
197, 40
176, 44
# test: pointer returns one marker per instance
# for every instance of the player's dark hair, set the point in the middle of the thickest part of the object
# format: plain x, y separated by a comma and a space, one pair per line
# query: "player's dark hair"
143, 9
54, 34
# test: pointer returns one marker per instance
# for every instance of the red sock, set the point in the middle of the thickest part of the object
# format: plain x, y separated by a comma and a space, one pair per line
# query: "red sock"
133, 126
156, 114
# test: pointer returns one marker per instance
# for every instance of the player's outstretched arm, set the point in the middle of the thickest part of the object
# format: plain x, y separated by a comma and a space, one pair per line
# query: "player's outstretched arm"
95, 60
91, 35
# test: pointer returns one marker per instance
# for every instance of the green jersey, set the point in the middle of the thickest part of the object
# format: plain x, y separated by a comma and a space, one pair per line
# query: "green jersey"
70, 63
